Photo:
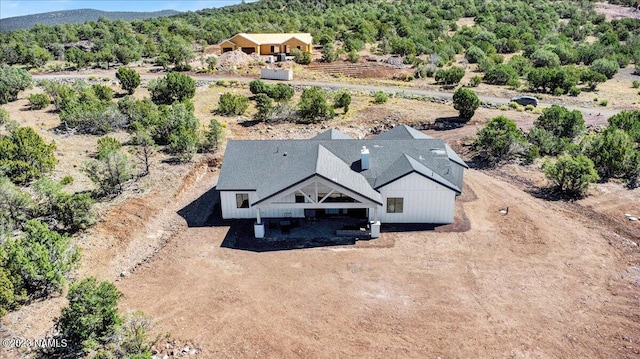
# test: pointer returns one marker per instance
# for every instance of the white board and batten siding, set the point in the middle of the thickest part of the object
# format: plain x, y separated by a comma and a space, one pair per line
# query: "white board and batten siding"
424, 201
230, 210
277, 74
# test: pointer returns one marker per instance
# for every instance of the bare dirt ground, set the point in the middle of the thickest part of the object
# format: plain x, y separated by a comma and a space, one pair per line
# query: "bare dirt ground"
613, 12
542, 281
550, 279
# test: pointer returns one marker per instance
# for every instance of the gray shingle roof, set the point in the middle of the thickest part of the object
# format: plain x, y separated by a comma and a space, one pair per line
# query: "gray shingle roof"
332, 134
327, 165
270, 166
337, 171
402, 132
288, 173
454, 156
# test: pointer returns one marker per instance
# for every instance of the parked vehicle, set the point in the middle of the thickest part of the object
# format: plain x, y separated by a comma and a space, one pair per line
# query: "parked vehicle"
525, 100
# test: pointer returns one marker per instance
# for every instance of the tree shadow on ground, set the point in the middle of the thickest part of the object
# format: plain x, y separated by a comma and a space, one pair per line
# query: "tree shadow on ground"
552, 195
448, 123
479, 162
249, 123
172, 161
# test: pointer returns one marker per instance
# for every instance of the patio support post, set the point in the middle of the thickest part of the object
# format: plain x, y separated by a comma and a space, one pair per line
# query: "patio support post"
375, 224
258, 227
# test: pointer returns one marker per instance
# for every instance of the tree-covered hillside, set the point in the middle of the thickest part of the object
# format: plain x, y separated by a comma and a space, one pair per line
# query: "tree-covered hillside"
78, 16
550, 34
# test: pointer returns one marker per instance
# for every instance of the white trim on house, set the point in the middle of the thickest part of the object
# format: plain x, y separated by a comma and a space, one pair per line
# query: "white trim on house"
287, 198
424, 201
284, 204
229, 209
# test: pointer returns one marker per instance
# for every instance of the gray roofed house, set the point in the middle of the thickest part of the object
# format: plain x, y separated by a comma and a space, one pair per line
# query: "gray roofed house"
332, 134
402, 132
400, 176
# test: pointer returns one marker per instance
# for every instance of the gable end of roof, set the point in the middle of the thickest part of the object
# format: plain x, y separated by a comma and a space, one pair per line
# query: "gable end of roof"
282, 190
416, 167
442, 183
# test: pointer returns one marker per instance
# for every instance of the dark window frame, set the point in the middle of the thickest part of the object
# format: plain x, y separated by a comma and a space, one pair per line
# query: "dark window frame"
242, 200
395, 205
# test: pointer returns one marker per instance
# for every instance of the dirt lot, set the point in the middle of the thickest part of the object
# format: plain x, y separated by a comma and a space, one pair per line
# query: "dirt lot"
550, 279
613, 12
542, 281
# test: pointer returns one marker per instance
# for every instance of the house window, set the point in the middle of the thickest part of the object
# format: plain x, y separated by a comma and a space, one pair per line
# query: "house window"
299, 48
395, 205
273, 49
242, 200
299, 198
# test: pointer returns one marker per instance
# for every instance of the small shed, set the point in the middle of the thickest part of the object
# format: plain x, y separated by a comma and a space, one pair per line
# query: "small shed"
276, 74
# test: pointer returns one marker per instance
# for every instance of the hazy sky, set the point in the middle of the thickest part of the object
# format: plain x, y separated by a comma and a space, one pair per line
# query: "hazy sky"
10, 8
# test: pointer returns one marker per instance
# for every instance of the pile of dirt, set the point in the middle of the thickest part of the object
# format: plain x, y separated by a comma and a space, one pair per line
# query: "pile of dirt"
235, 58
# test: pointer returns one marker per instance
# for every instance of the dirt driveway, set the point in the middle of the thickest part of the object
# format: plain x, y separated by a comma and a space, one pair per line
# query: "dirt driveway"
538, 282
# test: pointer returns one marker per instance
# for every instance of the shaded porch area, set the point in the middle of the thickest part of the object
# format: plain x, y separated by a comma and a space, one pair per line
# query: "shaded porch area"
278, 229
314, 199
296, 233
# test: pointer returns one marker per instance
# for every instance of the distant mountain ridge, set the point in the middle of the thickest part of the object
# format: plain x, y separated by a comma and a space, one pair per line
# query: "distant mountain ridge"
78, 16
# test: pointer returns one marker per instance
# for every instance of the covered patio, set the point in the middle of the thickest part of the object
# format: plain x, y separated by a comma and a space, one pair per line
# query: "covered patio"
321, 232
314, 199
278, 229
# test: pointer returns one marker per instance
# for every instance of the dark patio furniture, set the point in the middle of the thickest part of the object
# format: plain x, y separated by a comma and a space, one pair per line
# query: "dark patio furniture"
285, 226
